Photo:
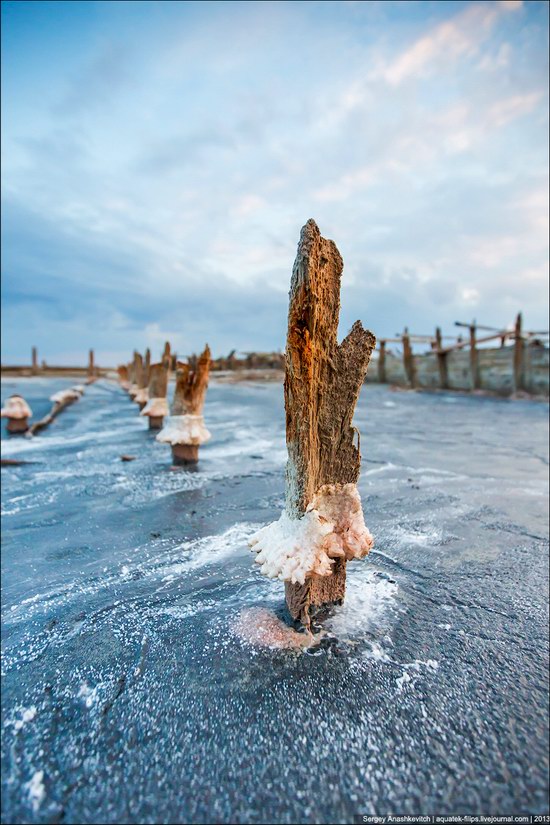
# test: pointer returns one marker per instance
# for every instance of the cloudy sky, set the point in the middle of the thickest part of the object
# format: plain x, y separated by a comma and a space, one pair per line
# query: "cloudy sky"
159, 160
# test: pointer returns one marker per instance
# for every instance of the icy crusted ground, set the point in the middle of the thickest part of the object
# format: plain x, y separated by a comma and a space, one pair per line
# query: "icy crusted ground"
130, 693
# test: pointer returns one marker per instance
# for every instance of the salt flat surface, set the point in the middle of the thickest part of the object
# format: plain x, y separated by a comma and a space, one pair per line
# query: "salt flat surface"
129, 694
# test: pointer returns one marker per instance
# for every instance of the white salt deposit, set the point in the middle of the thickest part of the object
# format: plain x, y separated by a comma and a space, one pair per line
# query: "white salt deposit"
79, 388
156, 407
142, 396
36, 790
184, 429
16, 407
333, 526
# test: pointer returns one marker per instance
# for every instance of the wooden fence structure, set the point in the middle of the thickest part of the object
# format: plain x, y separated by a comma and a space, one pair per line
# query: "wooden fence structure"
522, 367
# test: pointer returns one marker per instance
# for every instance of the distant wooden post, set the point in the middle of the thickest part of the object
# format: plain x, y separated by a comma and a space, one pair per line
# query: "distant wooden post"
408, 359
185, 430
441, 361
382, 363
322, 383
157, 405
474, 369
91, 365
34, 368
135, 375
147, 365
142, 395
518, 356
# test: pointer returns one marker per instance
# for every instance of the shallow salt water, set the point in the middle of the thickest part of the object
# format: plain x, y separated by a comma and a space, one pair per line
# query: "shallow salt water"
130, 692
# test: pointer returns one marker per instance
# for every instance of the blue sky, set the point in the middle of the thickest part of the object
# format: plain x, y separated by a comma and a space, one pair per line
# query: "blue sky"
159, 160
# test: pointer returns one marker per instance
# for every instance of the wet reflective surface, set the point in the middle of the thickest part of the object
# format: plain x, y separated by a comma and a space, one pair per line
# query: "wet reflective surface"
130, 693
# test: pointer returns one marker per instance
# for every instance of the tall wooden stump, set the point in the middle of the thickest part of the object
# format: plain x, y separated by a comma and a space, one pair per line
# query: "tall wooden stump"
322, 384
123, 376
474, 365
382, 363
408, 360
519, 352
135, 374
157, 405
142, 379
166, 355
185, 430
34, 368
441, 360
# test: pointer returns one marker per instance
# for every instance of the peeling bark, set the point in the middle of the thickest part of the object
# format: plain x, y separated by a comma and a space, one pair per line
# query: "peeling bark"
322, 384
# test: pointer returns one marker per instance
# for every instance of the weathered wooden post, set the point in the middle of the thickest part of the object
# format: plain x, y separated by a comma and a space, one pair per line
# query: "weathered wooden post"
136, 373
382, 363
34, 368
123, 377
157, 405
91, 365
518, 356
166, 355
18, 412
474, 370
441, 360
322, 526
408, 359
142, 395
61, 400
185, 430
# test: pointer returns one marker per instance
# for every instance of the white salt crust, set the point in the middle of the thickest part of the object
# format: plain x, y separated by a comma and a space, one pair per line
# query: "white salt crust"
79, 388
64, 395
133, 390
333, 526
156, 407
142, 396
184, 429
16, 407
125, 385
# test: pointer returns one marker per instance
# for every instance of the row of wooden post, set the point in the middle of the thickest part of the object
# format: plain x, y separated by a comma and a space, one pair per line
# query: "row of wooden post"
442, 352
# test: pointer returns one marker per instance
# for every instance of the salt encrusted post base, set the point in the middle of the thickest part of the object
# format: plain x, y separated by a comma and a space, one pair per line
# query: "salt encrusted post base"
318, 591
18, 412
155, 422
17, 425
185, 453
